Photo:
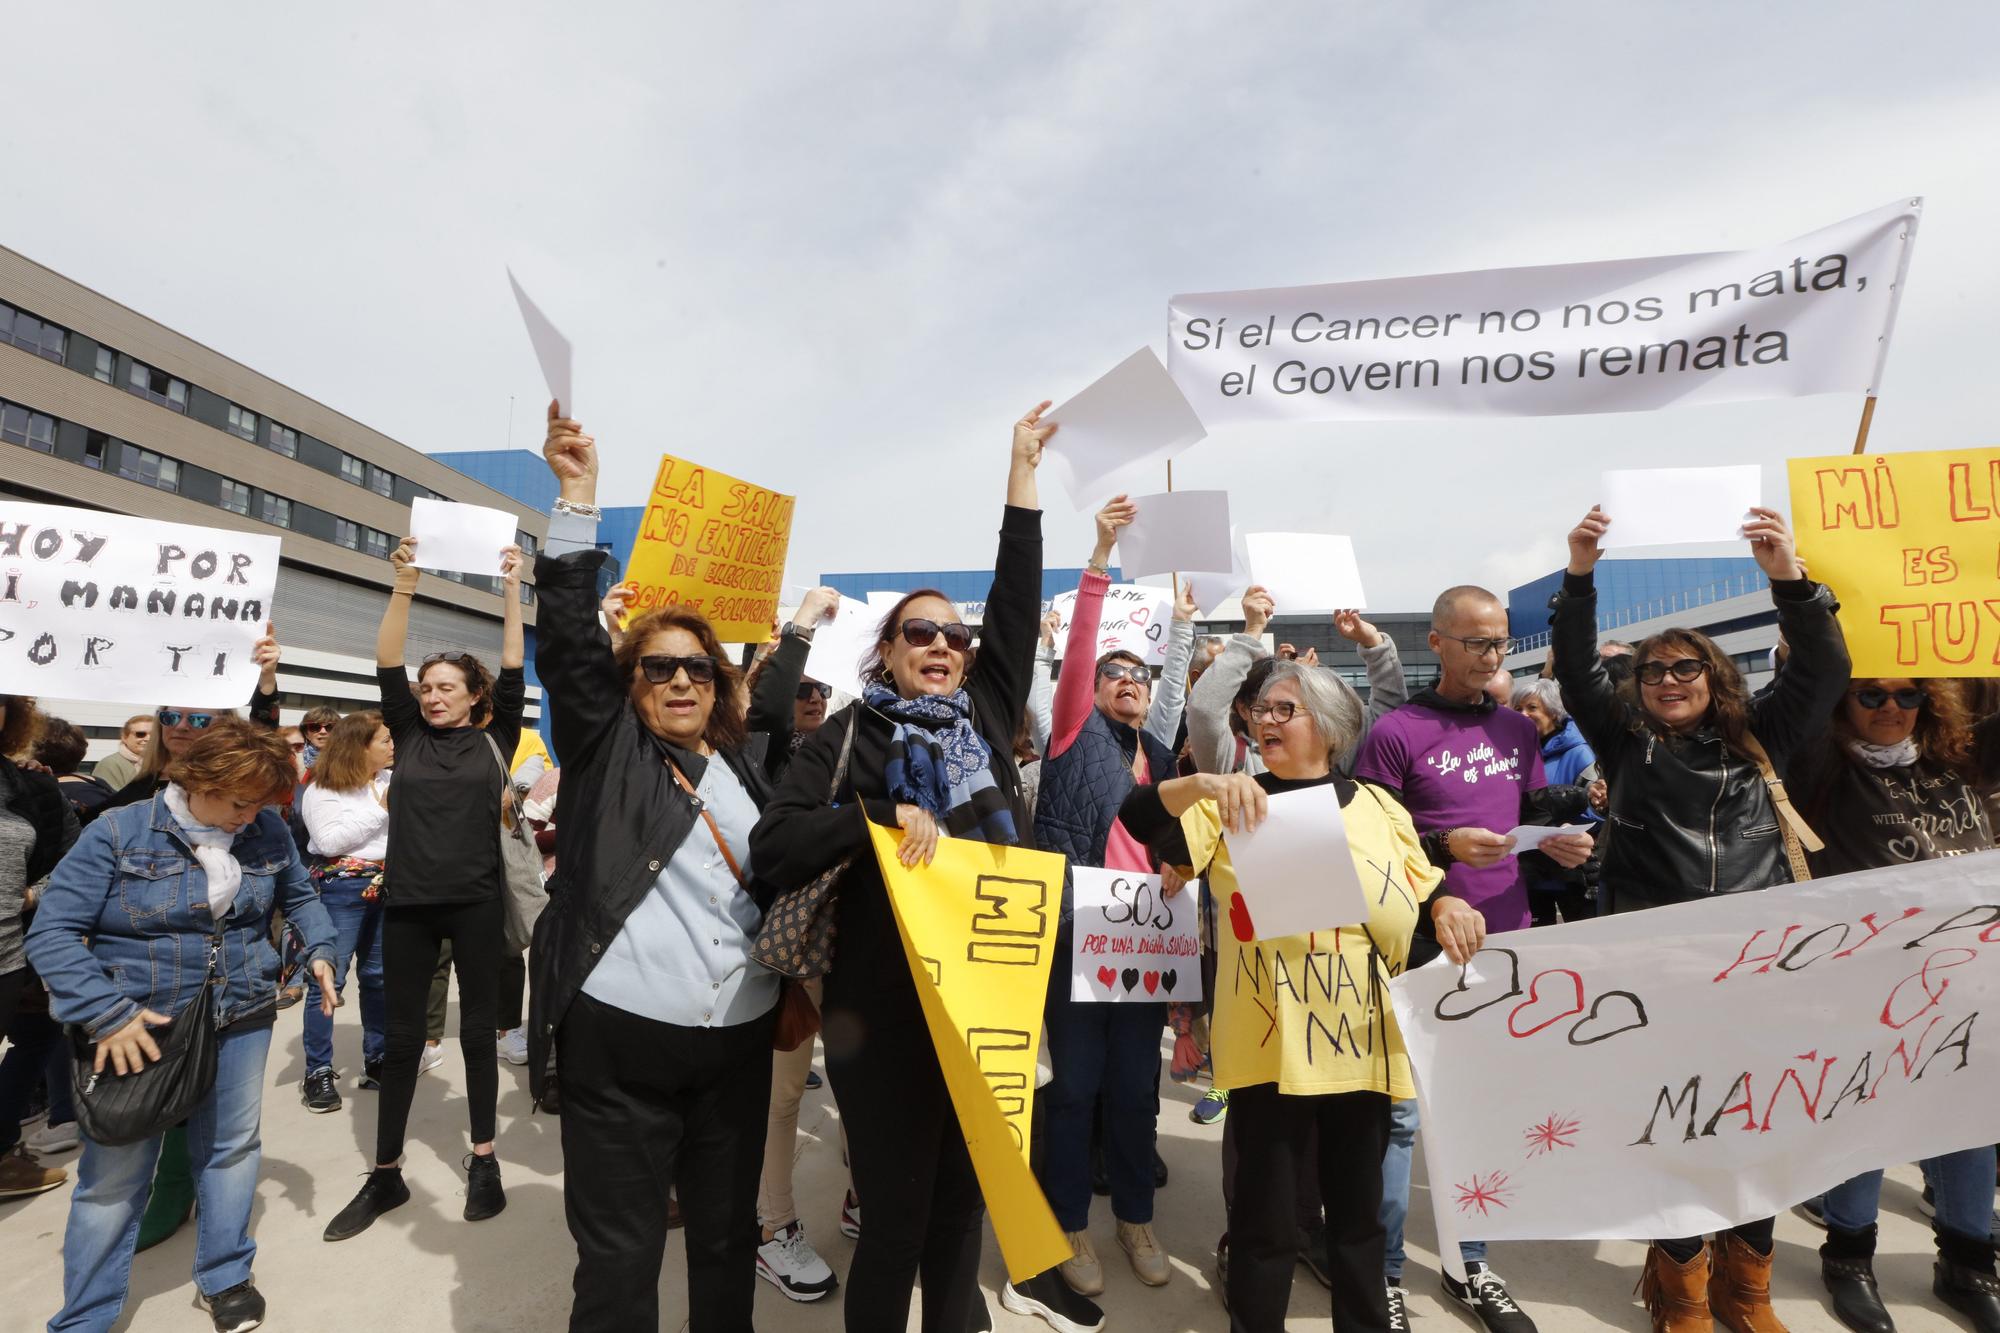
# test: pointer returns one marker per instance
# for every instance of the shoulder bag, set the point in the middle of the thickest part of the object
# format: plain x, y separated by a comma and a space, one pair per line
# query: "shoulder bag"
796, 939
525, 897
115, 1109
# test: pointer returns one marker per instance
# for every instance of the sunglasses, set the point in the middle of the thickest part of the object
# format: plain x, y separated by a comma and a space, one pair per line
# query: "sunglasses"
1684, 670
811, 688
453, 657
1479, 647
920, 633
1125, 671
1874, 696
660, 669
1280, 712
318, 726
171, 717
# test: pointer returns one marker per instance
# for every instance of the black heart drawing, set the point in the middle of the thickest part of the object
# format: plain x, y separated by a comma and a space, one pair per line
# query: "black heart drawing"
1457, 1003
1627, 1016
1167, 979
1130, 976
1155, 630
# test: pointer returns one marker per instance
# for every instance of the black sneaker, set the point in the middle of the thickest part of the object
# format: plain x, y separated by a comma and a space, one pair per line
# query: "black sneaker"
1399, 1309
318, 1092
1812, 1210
371, 1076
236, 1310
1927, 1205
483, 1196
1485, 1294
1048, 1297
384, 1189
1313, 1253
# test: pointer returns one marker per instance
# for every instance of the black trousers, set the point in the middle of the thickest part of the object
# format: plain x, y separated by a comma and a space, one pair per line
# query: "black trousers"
513, 992
11, 986
911, 1169
1761, 1234
411, 937
1572, 901
1274, 1132
648, 1105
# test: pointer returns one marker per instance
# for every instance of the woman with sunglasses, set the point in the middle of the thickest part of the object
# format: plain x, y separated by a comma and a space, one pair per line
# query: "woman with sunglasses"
443, 877
784, 705
316, 726
1695, 810
933, 754
1896, 780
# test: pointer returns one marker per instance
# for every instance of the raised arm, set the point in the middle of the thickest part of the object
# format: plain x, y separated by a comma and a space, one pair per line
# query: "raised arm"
1799, 705
513, 639
264, 699
777, 687
394, 630
1212, 700
580, 685
1587, 690
1163, 719
1076, 687
1014, 603
1041, 690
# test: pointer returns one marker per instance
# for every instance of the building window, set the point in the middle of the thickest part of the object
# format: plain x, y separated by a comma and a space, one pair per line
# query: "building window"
277, 510
376, 543
281, 439
529, 546
242, 422
347, 534
31, 334
143, 465
94, 445
107, 366
381, 481
527, 594
351, 469
235, 496
159, 386
37, 430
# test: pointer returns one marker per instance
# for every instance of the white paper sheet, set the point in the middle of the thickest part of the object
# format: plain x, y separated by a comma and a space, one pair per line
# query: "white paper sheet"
1118, 434
1306, 571
1528, 837
839, 644
1175, 530
1294, 870
1212, 588
551, 348
1131, 944
463, 539
1671, 505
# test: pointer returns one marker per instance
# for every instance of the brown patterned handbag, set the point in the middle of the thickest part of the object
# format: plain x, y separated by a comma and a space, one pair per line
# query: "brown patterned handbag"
796, 939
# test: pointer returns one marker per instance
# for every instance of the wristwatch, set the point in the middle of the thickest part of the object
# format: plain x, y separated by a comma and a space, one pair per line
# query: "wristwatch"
793, 630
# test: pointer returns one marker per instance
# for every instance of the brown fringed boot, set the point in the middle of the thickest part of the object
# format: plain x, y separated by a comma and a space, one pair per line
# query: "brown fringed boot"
1740, 1291
1676, 1295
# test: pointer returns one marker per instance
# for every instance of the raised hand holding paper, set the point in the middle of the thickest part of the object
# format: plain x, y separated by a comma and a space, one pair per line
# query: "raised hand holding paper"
551, 348
1130, 942
459, 539
1306, 571
1668, 505
1175, 530
838, 644
1118, 434
1294, 870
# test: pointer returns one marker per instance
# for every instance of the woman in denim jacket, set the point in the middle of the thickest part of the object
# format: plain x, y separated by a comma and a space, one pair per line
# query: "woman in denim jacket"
123, 940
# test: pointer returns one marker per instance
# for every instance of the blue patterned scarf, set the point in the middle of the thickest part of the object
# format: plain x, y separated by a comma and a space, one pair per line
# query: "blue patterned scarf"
938, 762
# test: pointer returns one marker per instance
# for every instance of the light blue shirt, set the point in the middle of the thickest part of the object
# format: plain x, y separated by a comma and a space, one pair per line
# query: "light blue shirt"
683, 956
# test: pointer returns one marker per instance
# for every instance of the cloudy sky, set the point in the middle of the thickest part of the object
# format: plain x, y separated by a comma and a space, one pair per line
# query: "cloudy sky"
838, 248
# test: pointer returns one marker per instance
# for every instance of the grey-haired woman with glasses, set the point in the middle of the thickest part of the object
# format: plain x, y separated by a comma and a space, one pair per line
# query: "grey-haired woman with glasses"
443, 878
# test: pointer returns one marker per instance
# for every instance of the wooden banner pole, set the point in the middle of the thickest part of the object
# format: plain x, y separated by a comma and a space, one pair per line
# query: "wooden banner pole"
1860, 438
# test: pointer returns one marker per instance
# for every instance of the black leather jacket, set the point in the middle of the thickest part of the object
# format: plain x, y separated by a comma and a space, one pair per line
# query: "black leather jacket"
629, 814
1689, 817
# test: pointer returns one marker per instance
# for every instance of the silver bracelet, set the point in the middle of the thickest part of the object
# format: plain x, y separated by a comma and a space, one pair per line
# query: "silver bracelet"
580, 510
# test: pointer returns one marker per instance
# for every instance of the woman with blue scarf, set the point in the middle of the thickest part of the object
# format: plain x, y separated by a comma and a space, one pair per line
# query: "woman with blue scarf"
933, 754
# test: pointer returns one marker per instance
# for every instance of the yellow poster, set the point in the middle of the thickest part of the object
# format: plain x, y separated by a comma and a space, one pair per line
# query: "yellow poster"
713, 543
979, 929
1910, 544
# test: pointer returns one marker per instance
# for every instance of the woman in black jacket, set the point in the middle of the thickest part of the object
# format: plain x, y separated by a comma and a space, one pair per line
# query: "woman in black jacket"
643, 986
1685, 751
785, 704
908, 1155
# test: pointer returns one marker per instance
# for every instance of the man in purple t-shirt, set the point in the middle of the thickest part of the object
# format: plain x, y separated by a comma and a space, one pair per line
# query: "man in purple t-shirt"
1468, 772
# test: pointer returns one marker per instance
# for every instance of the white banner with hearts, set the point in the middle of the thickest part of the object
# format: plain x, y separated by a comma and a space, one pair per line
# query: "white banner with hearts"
1677, 1071
1136, 619
1132, 942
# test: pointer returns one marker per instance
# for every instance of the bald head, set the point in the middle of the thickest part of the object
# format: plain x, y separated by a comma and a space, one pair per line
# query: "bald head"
1463, 602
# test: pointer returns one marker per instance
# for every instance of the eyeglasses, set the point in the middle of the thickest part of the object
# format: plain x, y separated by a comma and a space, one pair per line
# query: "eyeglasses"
453, 657
660, 669
171, 717
809, 689
1874, 696
1480, 647
1281, 712
1684, 670
1125, 671
921, 633
298, 747
317, 726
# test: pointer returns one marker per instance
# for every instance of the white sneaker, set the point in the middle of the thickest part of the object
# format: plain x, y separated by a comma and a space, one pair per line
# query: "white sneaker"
791, 1265
432, 1057
513, 1046
51, 1139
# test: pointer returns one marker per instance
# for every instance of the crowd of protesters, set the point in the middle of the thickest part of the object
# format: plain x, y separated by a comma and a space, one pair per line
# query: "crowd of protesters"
269, 863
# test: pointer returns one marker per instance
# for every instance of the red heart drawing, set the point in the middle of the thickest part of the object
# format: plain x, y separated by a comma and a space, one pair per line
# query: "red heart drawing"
1534, 996
1109, 976
1152, 980
1140, 615
1239, 918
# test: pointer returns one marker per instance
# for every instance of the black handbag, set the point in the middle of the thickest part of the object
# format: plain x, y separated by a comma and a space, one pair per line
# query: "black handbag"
115, 1109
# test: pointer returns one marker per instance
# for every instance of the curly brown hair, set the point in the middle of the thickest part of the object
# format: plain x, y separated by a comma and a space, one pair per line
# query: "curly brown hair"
23, 724
237, 758
1944, 724
1728, 695
725, 730
478, 682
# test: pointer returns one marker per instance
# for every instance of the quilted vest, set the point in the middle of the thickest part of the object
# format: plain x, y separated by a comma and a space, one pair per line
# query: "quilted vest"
1083, 787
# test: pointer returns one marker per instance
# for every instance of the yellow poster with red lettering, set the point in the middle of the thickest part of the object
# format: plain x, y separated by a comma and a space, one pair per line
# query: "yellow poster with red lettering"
1910, 544
715, 544
979, 931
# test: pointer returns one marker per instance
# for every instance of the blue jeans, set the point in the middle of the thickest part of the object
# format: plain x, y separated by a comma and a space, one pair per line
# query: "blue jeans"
1961, 1185
112, 1185
1396, 1193
357, 933
1114, 1048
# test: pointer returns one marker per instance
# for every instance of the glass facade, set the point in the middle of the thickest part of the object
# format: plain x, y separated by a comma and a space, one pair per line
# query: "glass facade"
1629, 590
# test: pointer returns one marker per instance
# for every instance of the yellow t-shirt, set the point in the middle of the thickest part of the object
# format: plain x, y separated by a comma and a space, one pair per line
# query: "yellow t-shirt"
530, 745
1303, 1011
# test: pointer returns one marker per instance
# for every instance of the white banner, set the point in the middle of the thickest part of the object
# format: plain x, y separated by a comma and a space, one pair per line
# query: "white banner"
130, 610
1807, 316
1677, 1071
1136, 619
1132, 942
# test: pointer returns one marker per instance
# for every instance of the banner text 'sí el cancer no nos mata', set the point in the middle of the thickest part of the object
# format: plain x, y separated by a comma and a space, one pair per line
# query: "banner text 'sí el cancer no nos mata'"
1910, 544
1684, 1069
713, 543
130, 610
1808, 316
